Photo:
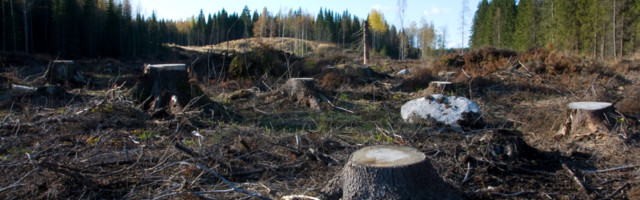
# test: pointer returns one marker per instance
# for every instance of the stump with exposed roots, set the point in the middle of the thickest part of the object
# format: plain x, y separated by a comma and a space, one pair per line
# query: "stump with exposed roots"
303, 91
588, 117
165, 89
62, 72
388, 172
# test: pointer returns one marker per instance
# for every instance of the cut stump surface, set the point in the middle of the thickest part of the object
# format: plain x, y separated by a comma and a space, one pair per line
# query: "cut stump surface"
588, 117
388, 172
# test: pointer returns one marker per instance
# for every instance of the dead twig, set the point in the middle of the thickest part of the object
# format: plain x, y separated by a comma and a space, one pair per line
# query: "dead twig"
196, 155
610, 169
231, 184
70, 172
466, 176
275, 168
512, 194
615, 193
575, 178
15, 184
336, 107
193, 193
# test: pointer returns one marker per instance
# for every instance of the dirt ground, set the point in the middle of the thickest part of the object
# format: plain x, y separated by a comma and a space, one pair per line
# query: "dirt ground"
96, 142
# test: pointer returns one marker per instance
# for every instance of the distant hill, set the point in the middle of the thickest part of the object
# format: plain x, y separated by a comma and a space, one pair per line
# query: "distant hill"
291, 45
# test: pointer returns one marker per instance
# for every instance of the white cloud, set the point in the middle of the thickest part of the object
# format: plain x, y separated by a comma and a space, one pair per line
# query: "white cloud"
382, 8
437, 11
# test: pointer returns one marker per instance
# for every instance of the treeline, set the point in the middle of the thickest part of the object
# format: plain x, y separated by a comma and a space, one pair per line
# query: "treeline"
598, 29
81, 28
110, 28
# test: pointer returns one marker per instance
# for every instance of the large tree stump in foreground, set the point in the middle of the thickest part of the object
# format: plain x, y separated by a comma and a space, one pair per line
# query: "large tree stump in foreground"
302, 90
388, 172
588, 117
165, 89
64, 72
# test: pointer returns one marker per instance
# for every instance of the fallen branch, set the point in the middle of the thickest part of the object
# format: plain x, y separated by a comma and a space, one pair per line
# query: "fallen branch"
68, 171
193, 193
465, 73
336, 107
196, 155
517, 168
617, 191
466, 176
575, 178
512, 194
275, 168
230, 183
186, 150
15, 184
299, 197
610, 169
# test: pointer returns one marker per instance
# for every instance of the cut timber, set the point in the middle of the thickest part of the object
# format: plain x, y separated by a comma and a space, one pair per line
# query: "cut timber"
165, 89
388, 172
438, 87
64, 72
302, 90
588, 117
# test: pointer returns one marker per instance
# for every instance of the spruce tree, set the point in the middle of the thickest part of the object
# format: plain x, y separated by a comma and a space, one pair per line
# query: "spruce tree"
526, 25
479, 29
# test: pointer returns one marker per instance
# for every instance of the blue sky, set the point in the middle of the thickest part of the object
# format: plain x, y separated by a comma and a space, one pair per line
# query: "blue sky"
441, 13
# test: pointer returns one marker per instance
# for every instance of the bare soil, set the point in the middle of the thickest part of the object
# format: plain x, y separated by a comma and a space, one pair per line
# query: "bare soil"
94, 142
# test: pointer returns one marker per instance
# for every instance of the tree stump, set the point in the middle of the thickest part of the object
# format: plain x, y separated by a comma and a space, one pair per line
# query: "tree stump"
165, 89
388, 172
438, 87
588, 117
303, 91
64, 72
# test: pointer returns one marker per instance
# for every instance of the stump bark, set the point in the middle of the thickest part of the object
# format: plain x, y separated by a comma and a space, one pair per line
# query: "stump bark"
303, 91
64, 72
588, 117
438, 87
165, 89
388, 172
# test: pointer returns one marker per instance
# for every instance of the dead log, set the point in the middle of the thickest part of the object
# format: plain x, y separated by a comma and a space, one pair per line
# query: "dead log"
588, 117
50, 90
303, 91
388, 172
63, 72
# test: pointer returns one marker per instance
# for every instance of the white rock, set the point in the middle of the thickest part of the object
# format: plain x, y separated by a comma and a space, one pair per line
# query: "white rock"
403, 72
447, 110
